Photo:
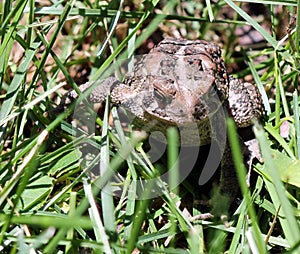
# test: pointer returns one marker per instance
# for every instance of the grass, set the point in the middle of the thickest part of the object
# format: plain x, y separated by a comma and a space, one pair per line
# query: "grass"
50, 202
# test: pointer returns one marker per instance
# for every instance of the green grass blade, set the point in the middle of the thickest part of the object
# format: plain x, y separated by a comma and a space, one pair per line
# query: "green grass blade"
17, 82
15, 13
297, 124
241, 173
260, 87
274, 2
111, 29
107, 202
261, 30
99, 229
277, 191
173, 170
297, 37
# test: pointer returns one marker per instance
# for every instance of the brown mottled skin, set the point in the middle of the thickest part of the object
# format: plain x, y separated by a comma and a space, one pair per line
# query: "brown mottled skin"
181, 82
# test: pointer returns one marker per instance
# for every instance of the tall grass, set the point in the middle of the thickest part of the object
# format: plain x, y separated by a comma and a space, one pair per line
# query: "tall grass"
49, 200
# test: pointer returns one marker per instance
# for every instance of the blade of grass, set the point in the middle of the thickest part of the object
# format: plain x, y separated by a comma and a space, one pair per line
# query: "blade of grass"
274, 2
16, 177
99, 229
260, 87
296, 122
277, 191
14, 114
51, 246
138, 219
46, 220
30, 21
210, 12
96, 13
237, 239
107, 202
4, 63
241, 173
111, 29
72, 206
173, 169
280, 93
15, 85
297, 37
130, 208
261, 30
130, 181
16, 13
60, 24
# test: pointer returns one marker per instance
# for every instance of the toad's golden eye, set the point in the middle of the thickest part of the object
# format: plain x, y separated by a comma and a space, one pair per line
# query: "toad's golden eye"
162, 99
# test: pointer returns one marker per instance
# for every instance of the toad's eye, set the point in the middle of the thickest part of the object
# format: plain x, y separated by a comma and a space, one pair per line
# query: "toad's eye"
161, 98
